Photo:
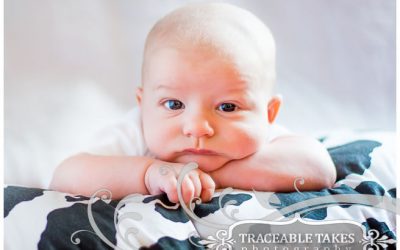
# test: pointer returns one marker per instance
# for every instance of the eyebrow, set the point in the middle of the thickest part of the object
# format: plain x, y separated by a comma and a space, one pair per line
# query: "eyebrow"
163, 86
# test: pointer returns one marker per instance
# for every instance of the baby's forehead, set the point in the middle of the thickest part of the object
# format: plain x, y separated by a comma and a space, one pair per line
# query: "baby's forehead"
243, 68
220, 77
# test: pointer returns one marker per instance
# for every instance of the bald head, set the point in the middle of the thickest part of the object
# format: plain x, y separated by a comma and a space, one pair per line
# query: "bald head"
223, 29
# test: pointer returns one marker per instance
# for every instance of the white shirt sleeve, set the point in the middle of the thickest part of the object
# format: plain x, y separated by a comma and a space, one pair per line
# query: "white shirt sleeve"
125, 137
277, 130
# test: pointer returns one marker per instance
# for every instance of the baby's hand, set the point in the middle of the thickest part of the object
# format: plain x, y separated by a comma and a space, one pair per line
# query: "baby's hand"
163, 177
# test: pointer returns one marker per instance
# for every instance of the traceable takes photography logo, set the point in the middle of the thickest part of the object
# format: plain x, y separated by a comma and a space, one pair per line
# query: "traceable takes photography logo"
296, 234
281, 229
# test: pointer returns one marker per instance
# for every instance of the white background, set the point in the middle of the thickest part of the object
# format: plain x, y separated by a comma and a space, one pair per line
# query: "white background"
71, 67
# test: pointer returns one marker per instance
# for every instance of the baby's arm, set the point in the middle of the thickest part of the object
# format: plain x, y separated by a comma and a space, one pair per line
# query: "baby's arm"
277, 164
85, 174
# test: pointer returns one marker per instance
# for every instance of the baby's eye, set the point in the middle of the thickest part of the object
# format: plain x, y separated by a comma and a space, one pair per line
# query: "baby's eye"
174, 104
227, 107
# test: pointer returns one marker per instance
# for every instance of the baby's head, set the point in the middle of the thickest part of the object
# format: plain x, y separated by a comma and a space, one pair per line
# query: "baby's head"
207, 78
225, 31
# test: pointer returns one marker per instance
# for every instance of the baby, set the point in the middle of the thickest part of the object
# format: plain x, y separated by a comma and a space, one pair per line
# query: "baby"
206, 97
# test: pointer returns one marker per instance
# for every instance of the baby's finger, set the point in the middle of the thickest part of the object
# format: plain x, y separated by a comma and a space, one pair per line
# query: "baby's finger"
187, 189
169, 187
194, 177
207, 185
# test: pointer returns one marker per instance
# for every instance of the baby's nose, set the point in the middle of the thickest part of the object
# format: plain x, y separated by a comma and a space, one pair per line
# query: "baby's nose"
198, 125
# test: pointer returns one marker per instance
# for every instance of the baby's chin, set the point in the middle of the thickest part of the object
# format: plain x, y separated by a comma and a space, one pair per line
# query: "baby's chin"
207, 163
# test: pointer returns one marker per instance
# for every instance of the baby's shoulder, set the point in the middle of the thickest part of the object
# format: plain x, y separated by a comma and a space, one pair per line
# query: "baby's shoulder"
277, 130
122, 137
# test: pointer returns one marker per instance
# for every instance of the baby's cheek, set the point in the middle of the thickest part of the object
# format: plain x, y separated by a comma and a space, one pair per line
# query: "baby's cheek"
248, 137
250, 145
156, 143
153, 137
160, 139
242, 143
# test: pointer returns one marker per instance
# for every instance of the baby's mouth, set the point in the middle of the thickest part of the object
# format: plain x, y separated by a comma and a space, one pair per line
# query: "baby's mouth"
195, 151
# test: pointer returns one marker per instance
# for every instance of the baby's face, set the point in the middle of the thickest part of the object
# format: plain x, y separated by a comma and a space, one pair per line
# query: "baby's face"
198, 107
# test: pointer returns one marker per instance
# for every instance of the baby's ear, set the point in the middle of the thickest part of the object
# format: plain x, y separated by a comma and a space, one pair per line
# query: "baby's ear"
273, 107
139, 93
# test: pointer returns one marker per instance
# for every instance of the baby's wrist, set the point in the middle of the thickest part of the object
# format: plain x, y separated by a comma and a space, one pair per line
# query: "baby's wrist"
153, 166
149, 169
